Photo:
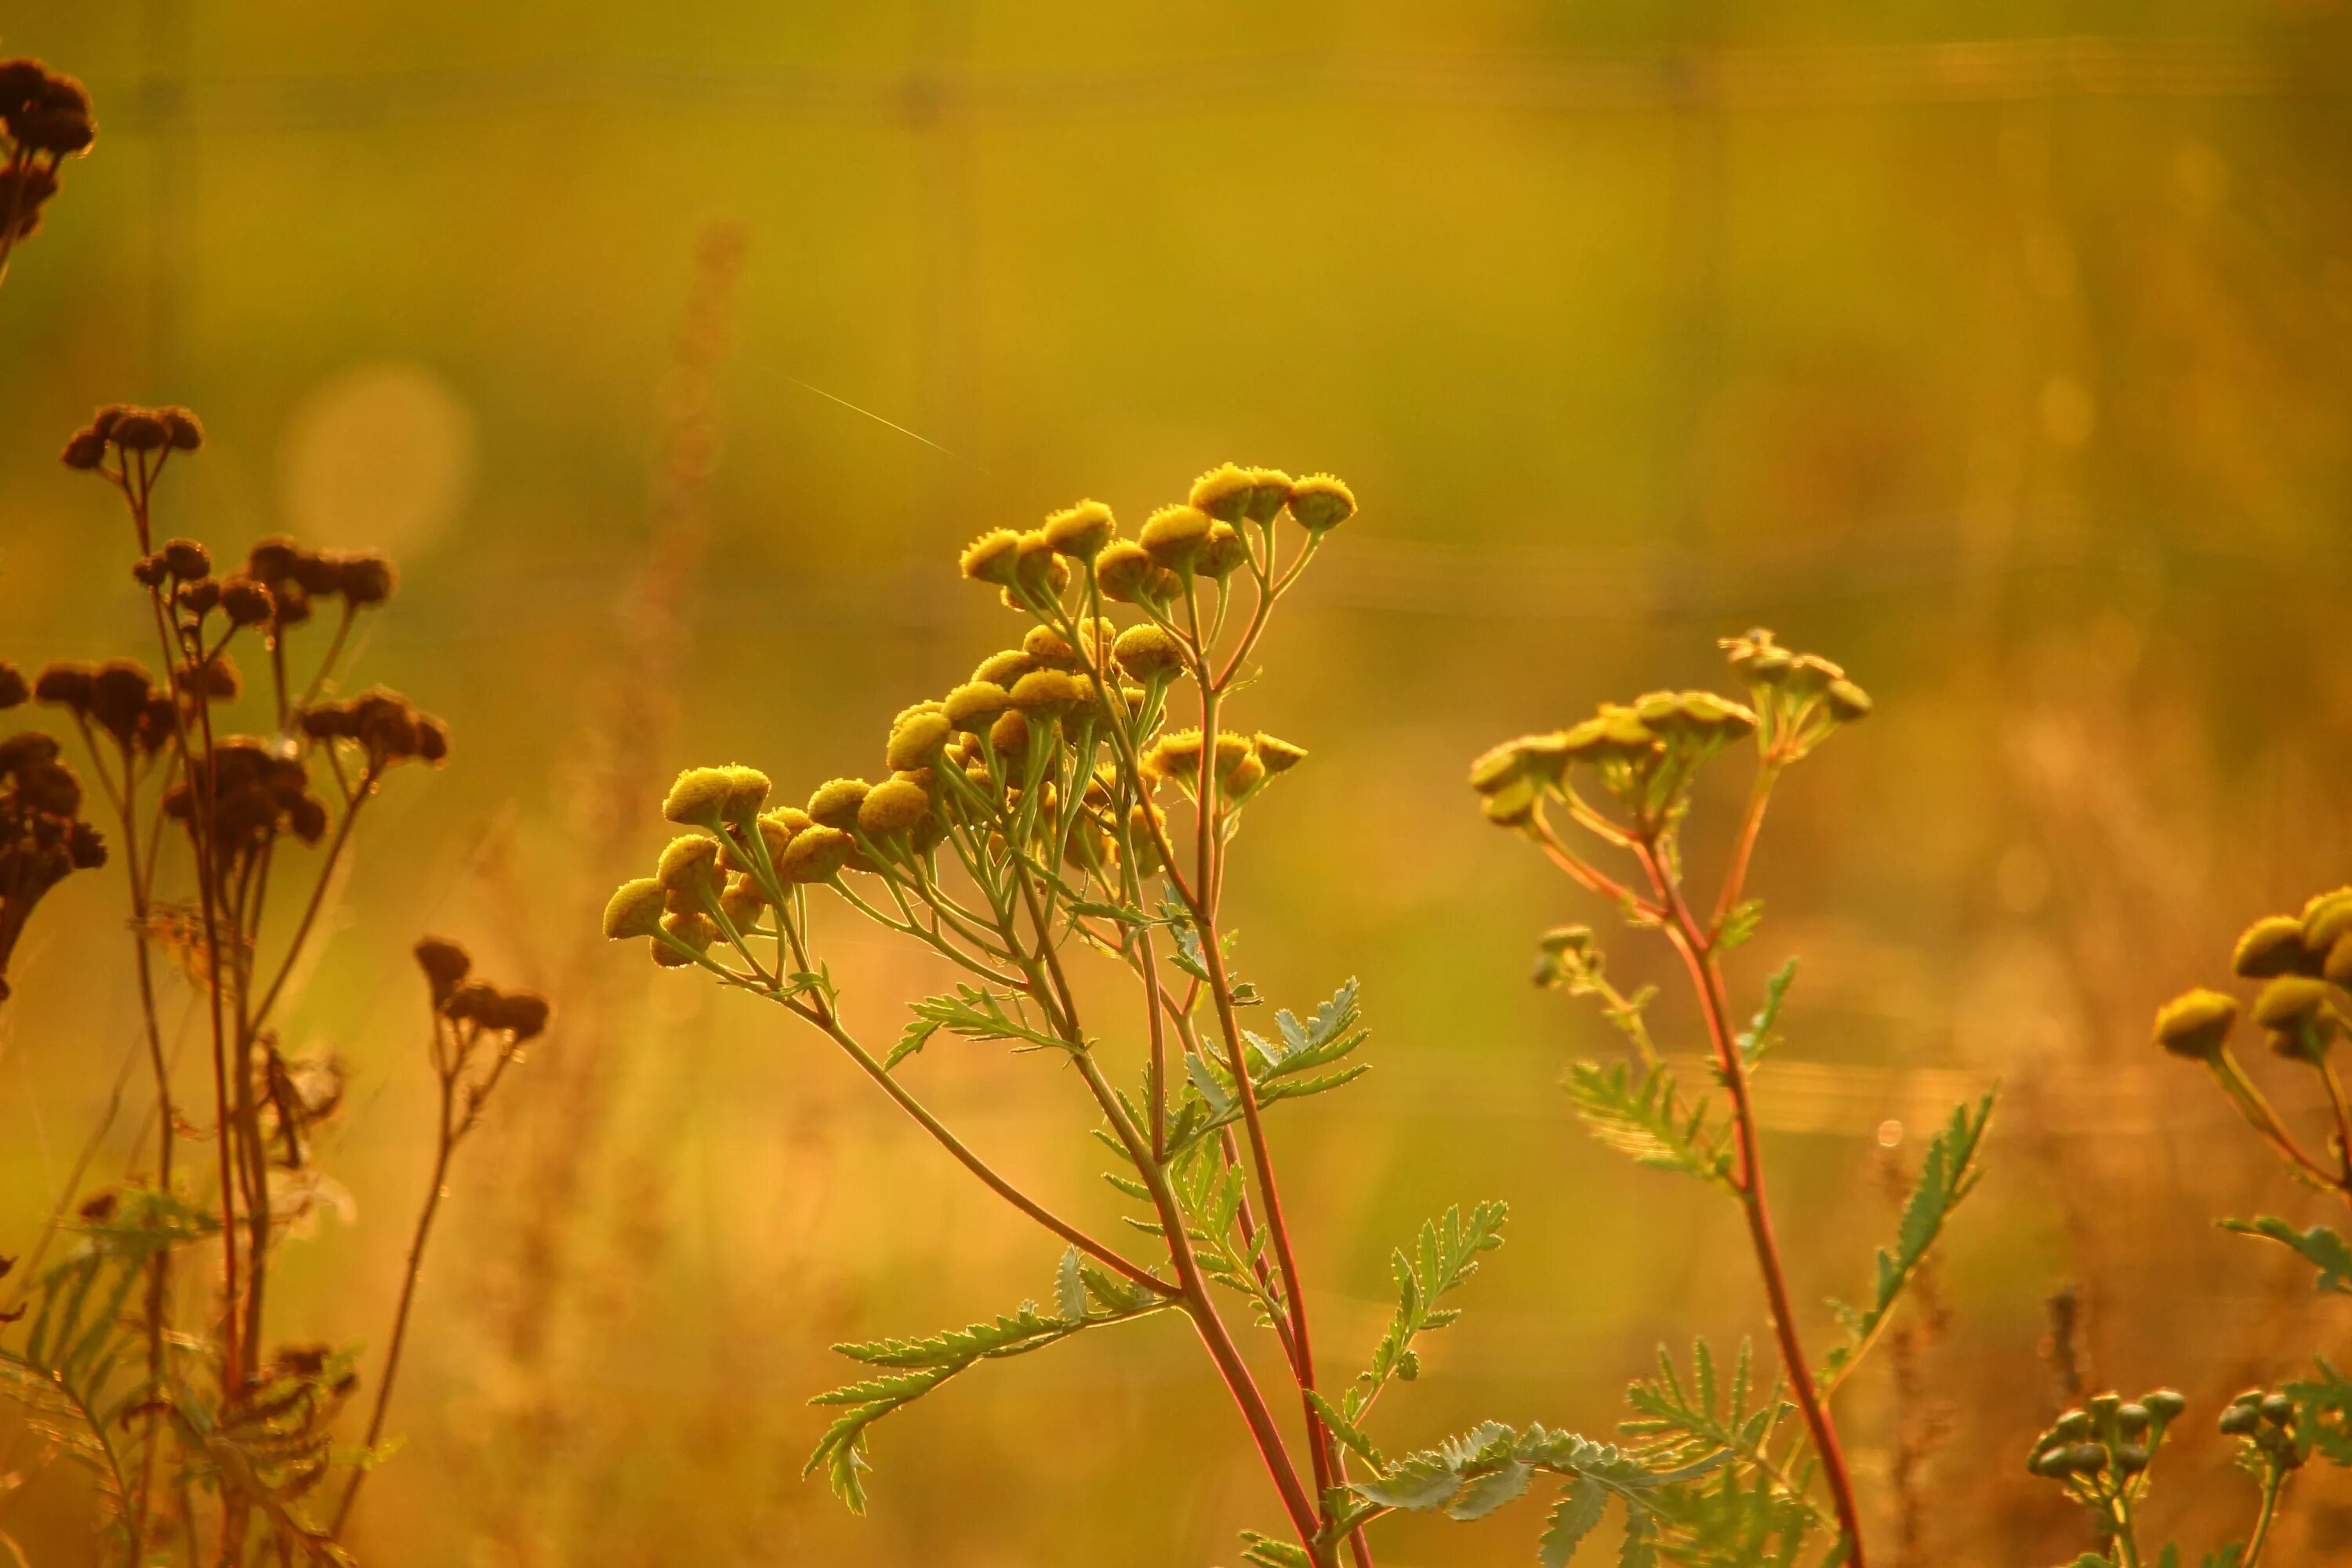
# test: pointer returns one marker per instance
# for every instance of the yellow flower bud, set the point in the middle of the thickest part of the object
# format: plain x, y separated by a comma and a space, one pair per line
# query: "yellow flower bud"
1224, 553
689, 864
1175, 536
917, 740
2272, 945
973, 705
2196, 1024
747, 790
1003, 669
1848, 703
2326, 917
835, 802
1125, 573
1225, 493
697, 931
893, 806
1321, 503
1242, 780
1269, 494
668, 957
636, 909
1046, 692
1278, 755
2288, 1001
1144, 651
816, 854
736, 856
743, 901
1010, 733
992, 557
697, 798
1809, 673
1082, 530
1498, 768
1049, 648
1037, 570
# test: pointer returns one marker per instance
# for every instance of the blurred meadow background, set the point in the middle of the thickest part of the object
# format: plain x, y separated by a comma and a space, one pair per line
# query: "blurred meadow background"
2003, 354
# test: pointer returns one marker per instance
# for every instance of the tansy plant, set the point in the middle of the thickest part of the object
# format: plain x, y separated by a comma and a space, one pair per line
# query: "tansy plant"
1616, 790
1080, 796
146, 1351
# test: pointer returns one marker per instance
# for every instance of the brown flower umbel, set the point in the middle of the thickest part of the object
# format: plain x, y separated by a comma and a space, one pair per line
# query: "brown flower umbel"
45, 118
208, 1439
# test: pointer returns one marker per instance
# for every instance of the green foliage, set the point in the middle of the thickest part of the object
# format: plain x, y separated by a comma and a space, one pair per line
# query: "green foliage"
2320, 1247
1284, 1069
1948, 1175
1751, 1511
2323, 1404
975, 1013
1643, 1116
80, 1371
1758, 1038
1445, 1256
913, 1368
1470, 1476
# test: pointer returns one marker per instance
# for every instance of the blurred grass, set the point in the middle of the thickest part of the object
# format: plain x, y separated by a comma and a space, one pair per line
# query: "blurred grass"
2001, 354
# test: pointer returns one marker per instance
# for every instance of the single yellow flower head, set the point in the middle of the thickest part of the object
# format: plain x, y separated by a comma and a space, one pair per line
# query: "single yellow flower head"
2325, 919
1757, 657
1511, 807
1125, 571
2196, 1024
1232, 750
1719, 716
1174, 754
1037, 570
2289, 1001
747, 790
1849, 703
1175, 536
1278, 756
1003, 669
743, 901
636, 909
689, 864
1225, 553
1010, 733
974, 705
991, 557
1809, 673
2272, 945
1082, 530
1321, 503
1145, 651
1050, 649
1046, 692
1498, 768
697, 799
1269, 494
1225, 493
917, 739
697, 931
835, 802
816, 854
1243, 778
735, 855
893, 806
2337, 966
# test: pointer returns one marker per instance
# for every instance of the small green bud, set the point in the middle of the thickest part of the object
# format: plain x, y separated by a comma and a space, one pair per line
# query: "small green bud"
1849, 703
2132, 1458
2277, 1409
2073, 1427
2165, 1404
2133, 1419
2289, 1001
2239, 1420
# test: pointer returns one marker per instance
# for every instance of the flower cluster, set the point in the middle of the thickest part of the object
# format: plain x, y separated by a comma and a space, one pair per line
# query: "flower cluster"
43, 838
45, 118
1078, 791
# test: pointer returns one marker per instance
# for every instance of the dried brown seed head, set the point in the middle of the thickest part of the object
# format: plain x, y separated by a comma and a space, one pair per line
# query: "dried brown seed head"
200, 597
85, 449
366, 577
185, 430
186, 560
444, 965
245, 602
471, 1001
15, 689
65, 684
522, 1013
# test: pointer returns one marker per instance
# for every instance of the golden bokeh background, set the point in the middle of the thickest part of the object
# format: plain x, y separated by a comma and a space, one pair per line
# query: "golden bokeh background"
2003, 353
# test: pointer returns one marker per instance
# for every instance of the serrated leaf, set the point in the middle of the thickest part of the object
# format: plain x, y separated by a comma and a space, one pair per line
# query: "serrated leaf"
2320, 1247
1070, 1289
1572, 1518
